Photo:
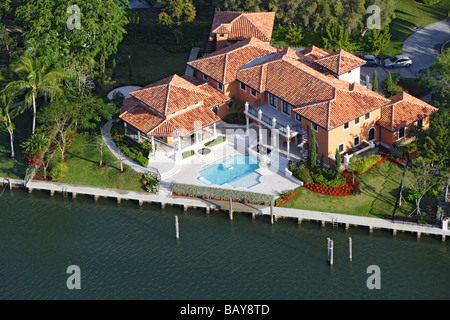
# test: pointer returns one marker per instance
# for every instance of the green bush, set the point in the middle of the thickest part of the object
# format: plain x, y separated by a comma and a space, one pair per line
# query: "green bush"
215, 141
303, 175
221, 194
58, 170
186, 154
360, 166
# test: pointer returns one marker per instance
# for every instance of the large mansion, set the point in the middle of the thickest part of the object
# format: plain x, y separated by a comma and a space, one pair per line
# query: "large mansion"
289, 92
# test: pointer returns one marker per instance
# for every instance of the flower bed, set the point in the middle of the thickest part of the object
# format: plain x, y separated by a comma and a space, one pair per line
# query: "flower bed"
343, 190
285, 197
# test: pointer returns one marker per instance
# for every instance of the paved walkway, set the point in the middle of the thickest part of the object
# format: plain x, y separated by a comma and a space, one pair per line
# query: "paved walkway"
192, 57
424, 45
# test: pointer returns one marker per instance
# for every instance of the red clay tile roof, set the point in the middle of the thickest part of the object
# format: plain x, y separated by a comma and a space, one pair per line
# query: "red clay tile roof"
243, 25
314, 53
343, 107
340, 62
146, 120
222, 64
403, 110
170, 95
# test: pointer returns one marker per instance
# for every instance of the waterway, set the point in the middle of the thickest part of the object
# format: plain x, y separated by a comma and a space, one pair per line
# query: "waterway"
125, 251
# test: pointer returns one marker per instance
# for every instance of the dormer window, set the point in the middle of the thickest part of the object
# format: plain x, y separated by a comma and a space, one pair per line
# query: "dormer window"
219, 86
205, 77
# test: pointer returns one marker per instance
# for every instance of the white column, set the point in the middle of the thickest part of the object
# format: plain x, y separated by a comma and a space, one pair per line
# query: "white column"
139, 136
214, 130
246, 106
259, 134
196, 137
288, 133
445, 224
274, 122
178, 155
247, 122
259, 115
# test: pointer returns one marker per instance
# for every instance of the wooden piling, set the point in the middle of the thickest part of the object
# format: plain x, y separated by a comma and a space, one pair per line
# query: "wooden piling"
230, 209
52, 192
330, 251
163, 205
74, 195
299, 221
350, 248
177, 229
394, 232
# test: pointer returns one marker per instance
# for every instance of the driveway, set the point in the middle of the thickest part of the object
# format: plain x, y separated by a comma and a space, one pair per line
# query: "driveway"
424, 45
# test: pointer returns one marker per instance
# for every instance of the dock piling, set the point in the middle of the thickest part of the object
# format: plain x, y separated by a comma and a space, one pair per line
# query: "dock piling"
350, 248
330, 251
230, 209
271, 211
177, 229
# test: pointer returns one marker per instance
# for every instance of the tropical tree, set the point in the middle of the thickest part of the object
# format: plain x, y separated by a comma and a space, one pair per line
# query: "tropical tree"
34, 80
377, 40
101, 25
424, 180
336, 37
175, 13
6, 116
294, 35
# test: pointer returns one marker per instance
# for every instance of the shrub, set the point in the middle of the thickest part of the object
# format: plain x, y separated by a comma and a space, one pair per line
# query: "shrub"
215, 141
186, 154
150, 182
303, 175
360, 166
58, 170
221, 194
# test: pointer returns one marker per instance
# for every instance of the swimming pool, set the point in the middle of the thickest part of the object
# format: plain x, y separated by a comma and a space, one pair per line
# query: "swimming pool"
237, 171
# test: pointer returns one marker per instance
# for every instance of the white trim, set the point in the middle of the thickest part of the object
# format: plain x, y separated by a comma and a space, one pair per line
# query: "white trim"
343, 147
368, 133
345, 129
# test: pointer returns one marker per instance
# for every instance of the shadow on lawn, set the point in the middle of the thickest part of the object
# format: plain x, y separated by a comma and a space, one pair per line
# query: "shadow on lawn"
73, 155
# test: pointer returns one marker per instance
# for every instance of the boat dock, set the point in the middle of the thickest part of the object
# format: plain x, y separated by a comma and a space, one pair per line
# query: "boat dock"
164, 197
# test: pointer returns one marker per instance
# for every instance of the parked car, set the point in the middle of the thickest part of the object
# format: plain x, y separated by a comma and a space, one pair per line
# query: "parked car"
397, 61
371, 61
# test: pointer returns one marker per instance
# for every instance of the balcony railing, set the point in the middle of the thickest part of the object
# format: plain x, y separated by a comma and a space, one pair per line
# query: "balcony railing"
261, 117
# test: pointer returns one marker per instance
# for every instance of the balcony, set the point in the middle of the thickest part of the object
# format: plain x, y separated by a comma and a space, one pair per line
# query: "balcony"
275, 120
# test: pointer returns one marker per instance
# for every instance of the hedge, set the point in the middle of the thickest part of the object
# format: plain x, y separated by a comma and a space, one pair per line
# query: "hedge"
221, 194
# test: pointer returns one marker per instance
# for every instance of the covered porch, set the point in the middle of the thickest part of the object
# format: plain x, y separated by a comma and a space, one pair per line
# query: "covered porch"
283, 132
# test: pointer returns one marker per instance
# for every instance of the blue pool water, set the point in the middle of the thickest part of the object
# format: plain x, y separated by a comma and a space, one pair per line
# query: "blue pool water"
237, 171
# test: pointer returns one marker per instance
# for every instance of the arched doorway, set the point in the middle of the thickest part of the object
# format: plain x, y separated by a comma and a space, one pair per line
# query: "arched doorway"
372, 134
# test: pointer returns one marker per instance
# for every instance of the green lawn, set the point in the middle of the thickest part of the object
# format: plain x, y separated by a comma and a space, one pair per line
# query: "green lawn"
141, 64
82, 161
409, 14
14, 168
375, 196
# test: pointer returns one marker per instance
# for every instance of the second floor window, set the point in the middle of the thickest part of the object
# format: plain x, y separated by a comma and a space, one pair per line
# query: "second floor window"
401, 133
272, 100
367, 116
205, 77
253, 92
356, 121
286, 108
243, 87
219, 86
315, 127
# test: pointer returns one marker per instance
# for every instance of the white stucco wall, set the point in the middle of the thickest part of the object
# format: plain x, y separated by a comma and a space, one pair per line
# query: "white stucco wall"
351, 76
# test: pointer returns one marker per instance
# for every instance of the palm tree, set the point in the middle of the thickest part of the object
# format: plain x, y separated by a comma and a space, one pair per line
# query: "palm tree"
6, 116
35, 79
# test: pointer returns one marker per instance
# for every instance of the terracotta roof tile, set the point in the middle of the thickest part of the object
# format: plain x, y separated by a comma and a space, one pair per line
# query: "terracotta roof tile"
243, 25
222, 64
403, 110
170, 95
340, 62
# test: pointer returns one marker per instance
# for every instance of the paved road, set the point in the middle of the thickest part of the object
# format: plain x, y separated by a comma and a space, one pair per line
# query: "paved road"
424, 45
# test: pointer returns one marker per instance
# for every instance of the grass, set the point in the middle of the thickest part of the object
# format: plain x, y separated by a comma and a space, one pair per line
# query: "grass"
83, 160
375, 196
409, 14
14, 168
142, 64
